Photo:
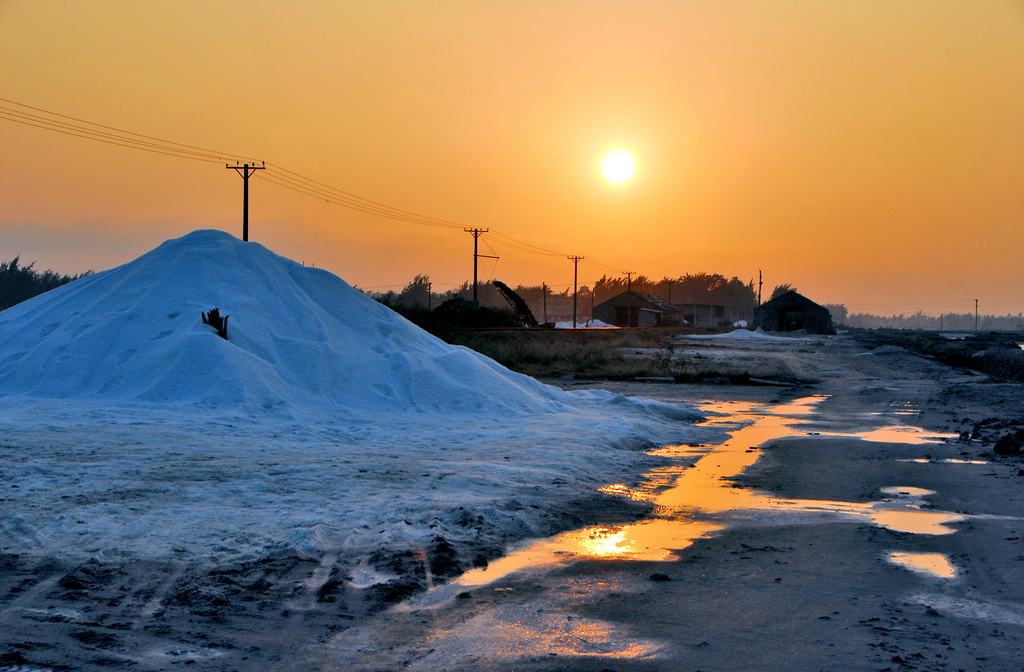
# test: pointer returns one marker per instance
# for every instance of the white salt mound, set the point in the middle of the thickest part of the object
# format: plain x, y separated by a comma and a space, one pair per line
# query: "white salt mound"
740, 335
297, 337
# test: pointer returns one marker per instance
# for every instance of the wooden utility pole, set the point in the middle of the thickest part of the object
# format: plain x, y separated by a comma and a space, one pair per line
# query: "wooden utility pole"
629, 299
476, 254
975, 314
757, 315
245, 170
544, 299
575, 266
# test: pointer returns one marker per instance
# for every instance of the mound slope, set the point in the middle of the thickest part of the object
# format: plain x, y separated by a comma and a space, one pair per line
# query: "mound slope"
297, 337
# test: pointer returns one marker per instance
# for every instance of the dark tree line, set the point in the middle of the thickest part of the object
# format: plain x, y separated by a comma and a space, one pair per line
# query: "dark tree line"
19, 283
739, 298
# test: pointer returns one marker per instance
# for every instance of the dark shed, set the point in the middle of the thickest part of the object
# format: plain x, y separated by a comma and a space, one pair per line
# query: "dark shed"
633, 309
791, 312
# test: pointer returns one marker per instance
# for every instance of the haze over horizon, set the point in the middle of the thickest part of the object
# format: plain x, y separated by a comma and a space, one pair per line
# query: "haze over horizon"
870, 153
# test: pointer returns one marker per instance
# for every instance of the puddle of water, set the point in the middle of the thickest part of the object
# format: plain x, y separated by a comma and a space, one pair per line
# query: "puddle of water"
705, 485
930, 564
906, 491
517, 631
901, 434
947, 460
686, 496
652, 540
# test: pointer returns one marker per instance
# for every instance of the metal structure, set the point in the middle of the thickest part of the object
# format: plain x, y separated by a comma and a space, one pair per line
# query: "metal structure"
523, 311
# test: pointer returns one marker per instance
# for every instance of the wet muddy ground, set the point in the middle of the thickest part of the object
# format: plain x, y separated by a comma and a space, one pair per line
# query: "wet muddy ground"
807, 550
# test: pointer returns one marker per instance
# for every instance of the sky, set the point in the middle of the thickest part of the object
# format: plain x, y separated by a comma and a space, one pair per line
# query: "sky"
868, 152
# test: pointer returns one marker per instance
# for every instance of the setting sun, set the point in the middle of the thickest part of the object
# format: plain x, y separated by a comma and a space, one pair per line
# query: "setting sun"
618, 166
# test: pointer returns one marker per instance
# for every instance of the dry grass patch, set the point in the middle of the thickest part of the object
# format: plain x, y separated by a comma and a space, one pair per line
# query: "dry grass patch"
620, 354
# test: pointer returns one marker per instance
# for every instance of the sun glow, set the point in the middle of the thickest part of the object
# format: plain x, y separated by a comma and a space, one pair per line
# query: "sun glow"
618, 166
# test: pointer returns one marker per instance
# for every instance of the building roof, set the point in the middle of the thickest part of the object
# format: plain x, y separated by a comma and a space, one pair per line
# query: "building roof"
639, 299
791, 299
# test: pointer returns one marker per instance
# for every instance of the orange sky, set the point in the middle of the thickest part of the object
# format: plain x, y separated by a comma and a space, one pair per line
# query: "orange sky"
869, 152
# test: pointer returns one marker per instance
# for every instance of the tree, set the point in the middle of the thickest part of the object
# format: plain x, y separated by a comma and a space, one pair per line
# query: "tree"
20, 283
781, 289
416, 293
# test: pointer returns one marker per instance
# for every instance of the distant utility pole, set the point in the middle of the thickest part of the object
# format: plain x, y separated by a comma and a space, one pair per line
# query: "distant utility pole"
629, 298
476, 238
575, 266
669, 282
757, 315
245, 170
544, 299
975, 314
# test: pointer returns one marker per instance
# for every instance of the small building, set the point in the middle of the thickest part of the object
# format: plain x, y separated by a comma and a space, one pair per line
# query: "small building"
633, 309
704, 314
792, 312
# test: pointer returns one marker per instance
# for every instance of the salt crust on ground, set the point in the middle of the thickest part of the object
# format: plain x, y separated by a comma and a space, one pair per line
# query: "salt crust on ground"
326, 424
741, 335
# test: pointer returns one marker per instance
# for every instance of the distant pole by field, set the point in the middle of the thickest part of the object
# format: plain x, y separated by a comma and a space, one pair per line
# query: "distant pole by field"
760, 281
629, 297
245, 170
476, 255
544, 300
575, 267
975, 314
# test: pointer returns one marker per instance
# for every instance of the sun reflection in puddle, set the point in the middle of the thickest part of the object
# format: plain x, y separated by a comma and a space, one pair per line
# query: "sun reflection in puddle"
652, 540
931, 564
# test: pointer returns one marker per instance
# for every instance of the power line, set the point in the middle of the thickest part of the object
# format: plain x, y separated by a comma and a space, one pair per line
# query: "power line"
320, 190
68, 125
599, 266
37, 117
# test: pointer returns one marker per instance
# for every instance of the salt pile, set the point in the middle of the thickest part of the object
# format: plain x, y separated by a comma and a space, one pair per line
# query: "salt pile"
297, 336
325, 425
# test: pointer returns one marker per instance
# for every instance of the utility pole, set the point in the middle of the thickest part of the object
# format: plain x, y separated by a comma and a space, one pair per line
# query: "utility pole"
757, 321
245, 170
629, 298
544, 299
975, 314
669, 292
476, 238
575, 266
428, 296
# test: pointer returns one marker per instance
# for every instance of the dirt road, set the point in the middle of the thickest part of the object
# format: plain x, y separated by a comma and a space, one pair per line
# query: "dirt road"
871, 554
